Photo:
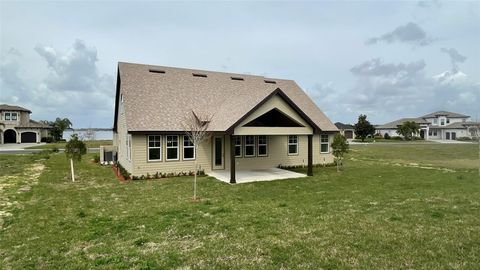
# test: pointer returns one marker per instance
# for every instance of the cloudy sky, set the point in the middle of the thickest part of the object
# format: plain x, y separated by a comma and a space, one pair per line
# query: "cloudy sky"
381, 58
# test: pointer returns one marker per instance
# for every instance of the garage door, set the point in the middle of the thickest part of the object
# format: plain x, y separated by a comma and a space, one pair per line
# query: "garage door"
29, 137
348, 134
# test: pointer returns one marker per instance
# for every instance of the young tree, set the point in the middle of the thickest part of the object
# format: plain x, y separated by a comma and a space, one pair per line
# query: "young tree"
58, 127
196, 129
74, 150
363, 128
340, 148
408, 129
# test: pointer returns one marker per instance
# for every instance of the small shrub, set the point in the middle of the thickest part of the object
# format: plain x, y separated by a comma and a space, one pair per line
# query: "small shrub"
123, 171
386, 136
96, 159
378, 136
398, 138
465, 139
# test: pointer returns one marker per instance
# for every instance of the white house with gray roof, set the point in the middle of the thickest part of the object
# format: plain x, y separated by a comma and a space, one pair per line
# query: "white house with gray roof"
255, 122
441, 125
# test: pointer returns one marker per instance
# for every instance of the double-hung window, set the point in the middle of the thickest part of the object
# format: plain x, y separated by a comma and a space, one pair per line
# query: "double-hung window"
292, 145
324, 143
14, 116
249, 146
154, 148
238, 146
262, 146
172, 147
188, 149
7, 116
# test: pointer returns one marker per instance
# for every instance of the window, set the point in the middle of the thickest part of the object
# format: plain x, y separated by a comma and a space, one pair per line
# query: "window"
129, 146
249, 146
238, 146
293, 145
7, 116
430, 133
188, 149
442, 122
154, 148
172, 147
14, 116
324, 143
435, 121
448, 121
262, 146
434, 133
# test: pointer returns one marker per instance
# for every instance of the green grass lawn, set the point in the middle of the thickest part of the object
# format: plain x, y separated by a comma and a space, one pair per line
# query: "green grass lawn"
61, 145
380, 213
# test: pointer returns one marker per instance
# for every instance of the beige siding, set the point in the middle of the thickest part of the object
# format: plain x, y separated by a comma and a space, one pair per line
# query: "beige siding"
142, 166
278, 154
120, 140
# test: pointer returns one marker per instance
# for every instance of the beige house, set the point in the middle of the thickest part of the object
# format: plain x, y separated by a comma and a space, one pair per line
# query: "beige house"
255, 122
17, 127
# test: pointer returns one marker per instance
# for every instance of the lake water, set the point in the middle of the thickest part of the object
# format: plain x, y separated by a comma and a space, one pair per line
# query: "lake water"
92, 135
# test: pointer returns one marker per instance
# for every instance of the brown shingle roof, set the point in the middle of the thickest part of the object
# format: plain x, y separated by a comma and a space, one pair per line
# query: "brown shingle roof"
34, 124
160, 101
6, 107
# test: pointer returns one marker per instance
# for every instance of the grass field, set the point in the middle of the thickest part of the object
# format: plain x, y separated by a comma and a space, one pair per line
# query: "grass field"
415, 207
61, 145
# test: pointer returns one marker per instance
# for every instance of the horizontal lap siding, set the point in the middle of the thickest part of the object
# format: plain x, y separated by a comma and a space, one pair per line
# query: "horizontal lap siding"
278, 154
142, 166
121, 142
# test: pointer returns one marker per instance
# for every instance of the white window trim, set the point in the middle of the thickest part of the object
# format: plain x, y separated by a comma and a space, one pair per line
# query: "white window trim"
288, 145
185, 137
261, 144
9, 116
16, 116
154, 147
323, 143
239, 145
169, 147
245, 146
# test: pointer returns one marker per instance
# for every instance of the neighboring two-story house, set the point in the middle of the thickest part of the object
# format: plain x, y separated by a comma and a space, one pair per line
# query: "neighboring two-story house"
17, 127
441, 125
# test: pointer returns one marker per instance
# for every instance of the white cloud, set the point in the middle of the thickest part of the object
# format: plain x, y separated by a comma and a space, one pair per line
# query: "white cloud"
73, 87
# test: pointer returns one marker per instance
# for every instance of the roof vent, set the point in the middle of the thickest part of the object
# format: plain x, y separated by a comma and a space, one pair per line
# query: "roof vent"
237, 78
199, 75
270, 81
157, 71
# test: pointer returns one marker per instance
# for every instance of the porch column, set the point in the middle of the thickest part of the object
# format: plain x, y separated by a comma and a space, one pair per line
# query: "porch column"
232, 160
310, 156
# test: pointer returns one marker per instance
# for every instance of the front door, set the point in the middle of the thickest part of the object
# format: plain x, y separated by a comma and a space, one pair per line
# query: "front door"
447, 135
218, 153
422, 134
454, 135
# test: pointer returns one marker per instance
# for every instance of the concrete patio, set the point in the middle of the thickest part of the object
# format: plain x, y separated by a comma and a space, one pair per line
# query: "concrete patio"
248, 176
